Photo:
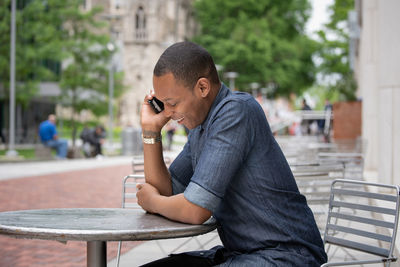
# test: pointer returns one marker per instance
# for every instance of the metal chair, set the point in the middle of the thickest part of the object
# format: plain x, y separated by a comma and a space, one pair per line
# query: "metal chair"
353, 162
362, 222
129, 198
129, 192
129, 201
314, 182
138, 164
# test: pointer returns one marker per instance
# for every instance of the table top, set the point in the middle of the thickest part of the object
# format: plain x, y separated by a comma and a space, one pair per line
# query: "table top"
95, 225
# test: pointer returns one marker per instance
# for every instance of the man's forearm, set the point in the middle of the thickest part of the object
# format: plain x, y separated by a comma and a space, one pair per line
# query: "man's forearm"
155, 170
178, 208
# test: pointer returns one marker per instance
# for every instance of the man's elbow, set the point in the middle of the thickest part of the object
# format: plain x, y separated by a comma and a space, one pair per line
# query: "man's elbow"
199, 216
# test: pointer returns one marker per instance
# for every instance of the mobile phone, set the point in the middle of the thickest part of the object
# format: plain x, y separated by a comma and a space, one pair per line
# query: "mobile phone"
156, 104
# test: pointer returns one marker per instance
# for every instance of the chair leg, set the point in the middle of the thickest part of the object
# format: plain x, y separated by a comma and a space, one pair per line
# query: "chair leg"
161, 248
118, 252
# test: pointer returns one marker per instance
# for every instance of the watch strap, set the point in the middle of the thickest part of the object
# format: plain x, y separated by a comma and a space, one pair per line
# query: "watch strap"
151, 140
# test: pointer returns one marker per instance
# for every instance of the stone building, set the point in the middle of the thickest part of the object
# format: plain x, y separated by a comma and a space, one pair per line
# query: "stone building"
378, 76
142, 29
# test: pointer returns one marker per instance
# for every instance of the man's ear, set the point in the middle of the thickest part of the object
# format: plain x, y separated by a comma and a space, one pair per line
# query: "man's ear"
204, 86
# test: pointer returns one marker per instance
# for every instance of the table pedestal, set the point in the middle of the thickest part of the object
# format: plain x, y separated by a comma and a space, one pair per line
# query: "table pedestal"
96, 254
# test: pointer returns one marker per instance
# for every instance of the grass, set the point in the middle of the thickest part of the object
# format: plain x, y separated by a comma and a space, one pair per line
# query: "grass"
28, 153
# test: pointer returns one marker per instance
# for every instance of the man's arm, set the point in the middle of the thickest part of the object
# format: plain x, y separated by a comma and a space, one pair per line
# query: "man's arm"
156, 172
175, 207
54, 132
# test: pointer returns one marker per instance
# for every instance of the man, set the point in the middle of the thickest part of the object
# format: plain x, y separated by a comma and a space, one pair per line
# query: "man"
93, 138
230, 168
49, 137
306, 124
321, 123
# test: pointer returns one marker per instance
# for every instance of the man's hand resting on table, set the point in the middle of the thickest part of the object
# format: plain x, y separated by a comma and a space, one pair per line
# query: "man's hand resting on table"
175, 207
145, 193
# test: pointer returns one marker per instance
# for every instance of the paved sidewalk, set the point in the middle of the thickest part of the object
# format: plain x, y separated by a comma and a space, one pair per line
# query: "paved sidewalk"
27, 169
81, 183
88, 188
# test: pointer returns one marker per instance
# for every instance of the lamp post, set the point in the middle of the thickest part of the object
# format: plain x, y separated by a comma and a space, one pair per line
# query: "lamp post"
111, 48
11, 151
231, 76
254, 86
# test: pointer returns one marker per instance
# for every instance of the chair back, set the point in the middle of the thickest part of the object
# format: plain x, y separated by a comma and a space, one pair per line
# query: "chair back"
363, 217
314, 182
353, 162
129, 190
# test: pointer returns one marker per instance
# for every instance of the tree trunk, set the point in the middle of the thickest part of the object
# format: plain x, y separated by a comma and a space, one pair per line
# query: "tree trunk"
73, 122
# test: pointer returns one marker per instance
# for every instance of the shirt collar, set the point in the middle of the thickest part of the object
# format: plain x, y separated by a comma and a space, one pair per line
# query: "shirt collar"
222, 93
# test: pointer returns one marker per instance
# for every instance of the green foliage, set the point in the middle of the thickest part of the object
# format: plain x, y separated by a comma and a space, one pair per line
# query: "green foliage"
84, 79
335, 50
86, 56
262, 40
37, 42
53, 31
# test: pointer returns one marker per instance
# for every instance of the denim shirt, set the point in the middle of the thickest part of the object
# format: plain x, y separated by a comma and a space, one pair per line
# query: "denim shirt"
232, 166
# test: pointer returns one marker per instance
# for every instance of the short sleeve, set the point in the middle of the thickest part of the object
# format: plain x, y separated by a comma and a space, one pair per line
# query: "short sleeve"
228, 140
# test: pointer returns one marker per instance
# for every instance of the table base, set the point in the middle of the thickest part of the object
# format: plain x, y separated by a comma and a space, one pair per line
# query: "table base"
96, 254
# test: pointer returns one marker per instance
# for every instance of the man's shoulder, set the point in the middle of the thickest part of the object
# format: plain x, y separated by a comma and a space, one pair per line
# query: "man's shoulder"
237, 102
44, 124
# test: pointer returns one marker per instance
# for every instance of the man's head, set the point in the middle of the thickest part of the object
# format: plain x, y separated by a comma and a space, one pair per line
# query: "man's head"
52, 118
188, 62
99, 129
186, 80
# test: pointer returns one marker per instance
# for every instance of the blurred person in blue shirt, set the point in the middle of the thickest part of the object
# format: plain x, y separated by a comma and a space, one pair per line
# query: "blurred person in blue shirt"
49, 137
231, 168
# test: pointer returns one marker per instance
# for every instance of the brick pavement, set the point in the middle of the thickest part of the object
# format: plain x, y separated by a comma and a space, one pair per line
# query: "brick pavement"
100, 187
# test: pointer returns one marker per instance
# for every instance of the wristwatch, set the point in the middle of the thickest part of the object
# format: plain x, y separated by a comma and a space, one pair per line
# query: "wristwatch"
151, 140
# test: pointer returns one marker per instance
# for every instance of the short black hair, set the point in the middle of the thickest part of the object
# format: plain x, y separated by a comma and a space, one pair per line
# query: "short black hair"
188, 62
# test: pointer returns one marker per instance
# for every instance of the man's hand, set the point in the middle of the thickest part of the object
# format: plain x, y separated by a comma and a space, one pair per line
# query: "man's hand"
149, 120
145, 196
173, 207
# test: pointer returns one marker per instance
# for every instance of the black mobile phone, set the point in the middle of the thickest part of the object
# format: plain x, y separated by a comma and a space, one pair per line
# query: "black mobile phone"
156, 104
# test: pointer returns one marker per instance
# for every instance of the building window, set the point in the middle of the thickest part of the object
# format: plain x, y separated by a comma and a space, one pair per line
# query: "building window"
140, 24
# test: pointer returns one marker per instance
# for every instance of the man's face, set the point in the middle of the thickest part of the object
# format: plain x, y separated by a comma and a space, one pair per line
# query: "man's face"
52, 119
186, 106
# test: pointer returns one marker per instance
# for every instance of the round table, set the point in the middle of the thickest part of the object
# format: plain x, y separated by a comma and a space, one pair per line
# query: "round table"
96, 227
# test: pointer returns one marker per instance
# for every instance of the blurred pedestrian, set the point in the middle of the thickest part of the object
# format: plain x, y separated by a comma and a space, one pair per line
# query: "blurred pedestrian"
305, 123
171, 129
93, 139
322, 123
49, 137
86, 147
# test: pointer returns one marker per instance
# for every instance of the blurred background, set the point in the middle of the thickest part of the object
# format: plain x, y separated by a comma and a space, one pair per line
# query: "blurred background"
90, 62
326, 73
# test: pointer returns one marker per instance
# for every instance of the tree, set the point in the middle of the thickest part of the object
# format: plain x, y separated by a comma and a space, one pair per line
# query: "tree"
84, 78
334, 51
38, 46
59, 33
262, 40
